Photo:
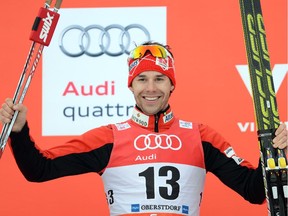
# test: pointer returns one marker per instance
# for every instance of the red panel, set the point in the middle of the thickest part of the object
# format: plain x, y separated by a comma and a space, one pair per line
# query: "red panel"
207, 41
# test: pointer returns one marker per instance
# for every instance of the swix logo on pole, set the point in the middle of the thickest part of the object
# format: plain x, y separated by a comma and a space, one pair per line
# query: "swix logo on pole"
44, 26
279, 72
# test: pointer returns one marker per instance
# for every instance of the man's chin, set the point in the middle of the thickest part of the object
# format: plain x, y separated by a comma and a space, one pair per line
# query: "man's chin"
150, 111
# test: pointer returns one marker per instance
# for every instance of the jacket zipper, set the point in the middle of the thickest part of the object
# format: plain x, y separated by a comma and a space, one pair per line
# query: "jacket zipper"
156, 128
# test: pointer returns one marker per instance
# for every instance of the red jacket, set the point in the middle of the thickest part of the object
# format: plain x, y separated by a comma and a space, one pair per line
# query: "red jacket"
91, 152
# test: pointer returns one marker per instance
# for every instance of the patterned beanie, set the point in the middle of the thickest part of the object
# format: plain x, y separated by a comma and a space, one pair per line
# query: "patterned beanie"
150, 63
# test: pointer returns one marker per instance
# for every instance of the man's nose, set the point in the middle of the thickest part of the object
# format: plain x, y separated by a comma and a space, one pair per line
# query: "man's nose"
151, 85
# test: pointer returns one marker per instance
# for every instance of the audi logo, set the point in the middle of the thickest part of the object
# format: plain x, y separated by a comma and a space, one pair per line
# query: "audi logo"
154, 141
99, 43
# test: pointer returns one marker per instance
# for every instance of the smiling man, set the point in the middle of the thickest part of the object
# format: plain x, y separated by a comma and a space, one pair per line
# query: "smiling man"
151, 164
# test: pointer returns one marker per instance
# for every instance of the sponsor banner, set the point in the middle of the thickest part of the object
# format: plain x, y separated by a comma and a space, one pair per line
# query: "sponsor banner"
208, 45
85, 68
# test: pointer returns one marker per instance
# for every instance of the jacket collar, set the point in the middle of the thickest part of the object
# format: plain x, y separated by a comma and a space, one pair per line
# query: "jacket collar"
157, 122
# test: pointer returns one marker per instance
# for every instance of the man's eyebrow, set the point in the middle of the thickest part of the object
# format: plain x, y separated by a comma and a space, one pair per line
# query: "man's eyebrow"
161, 75
158, 75
141, 75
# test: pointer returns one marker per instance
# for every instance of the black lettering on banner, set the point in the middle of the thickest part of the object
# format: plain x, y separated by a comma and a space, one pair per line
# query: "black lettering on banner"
78, 112
171, 182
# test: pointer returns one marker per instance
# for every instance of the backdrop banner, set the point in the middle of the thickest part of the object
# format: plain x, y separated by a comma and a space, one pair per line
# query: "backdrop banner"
81, 83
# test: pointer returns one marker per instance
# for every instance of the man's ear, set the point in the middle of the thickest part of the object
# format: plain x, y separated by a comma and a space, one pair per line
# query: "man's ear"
131, 89
172, 88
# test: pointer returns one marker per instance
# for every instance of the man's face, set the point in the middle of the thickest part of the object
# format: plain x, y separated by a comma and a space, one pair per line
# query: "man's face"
151, 91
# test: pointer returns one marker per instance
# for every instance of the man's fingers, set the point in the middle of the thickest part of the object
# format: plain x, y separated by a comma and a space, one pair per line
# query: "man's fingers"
280, 129
280, 140
6, 113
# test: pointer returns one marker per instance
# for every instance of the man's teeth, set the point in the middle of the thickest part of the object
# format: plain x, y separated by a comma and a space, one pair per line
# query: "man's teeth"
151, 98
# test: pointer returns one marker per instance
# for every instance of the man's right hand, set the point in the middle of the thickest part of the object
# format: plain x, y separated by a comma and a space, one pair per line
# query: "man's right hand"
6, 113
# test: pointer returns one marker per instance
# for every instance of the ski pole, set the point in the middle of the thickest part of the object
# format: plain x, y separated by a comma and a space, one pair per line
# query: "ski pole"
41, 35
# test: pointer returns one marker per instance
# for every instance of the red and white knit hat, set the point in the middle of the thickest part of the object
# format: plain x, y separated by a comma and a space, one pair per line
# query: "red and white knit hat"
151, 63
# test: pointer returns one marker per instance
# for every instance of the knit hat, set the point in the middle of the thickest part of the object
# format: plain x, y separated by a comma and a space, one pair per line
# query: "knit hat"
150, 63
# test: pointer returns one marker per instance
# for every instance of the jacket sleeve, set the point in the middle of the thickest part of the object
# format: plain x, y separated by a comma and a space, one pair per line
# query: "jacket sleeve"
89, 152
233, 171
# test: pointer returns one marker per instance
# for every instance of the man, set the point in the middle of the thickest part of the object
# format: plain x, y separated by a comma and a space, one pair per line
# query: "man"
153, 163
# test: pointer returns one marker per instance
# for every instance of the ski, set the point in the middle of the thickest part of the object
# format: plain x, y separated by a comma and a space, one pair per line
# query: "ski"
273, 161
41, 35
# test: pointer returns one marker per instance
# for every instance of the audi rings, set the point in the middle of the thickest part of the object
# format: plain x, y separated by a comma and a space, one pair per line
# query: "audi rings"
154, 141
85, 38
